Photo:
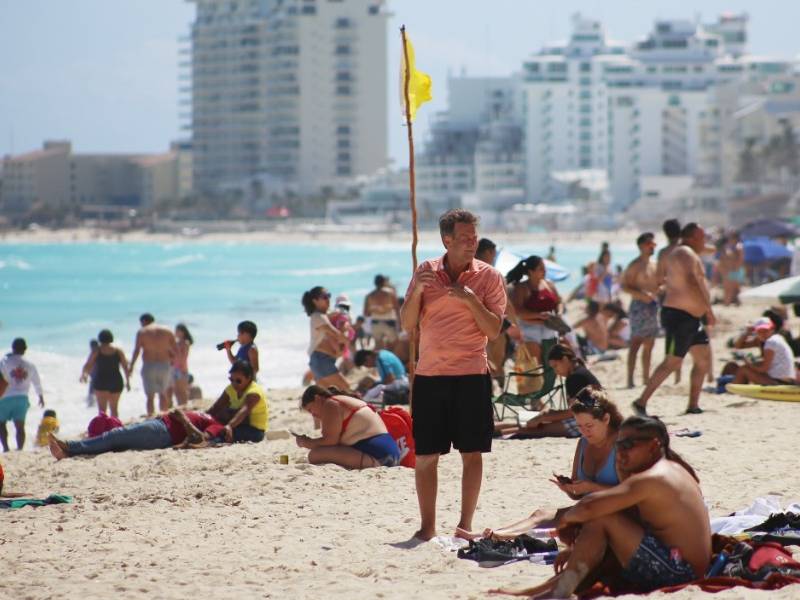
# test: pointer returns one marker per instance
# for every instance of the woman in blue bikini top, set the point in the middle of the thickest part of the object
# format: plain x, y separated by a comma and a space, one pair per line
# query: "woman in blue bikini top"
594, 466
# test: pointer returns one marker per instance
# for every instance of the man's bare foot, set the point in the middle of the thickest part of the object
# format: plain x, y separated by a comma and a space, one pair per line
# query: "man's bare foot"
57, 448
425, 536
467, 535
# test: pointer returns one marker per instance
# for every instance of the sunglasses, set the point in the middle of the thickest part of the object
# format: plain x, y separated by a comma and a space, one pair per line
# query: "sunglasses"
236, 380
584, 396
628, 443
325, 296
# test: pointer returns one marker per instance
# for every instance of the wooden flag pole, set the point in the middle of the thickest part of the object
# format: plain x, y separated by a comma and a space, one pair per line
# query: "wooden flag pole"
412, 198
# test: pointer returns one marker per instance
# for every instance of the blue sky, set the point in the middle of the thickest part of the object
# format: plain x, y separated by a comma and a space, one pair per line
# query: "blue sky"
103, 73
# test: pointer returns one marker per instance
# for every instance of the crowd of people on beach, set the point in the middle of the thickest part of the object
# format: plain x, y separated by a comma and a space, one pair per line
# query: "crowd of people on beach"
466, 322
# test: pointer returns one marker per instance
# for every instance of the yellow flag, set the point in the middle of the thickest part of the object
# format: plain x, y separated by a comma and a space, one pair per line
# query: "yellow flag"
419, 84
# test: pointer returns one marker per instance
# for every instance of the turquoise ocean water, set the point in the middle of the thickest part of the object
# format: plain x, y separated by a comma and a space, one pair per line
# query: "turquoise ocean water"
58, 296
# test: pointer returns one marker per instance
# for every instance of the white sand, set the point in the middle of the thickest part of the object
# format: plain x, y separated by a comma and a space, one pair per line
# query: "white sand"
233, 523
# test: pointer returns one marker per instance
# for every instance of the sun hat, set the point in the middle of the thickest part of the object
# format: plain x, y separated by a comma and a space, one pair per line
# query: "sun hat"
343, 300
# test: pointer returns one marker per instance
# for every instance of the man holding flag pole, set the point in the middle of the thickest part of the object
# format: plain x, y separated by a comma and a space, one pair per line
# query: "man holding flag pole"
458, 304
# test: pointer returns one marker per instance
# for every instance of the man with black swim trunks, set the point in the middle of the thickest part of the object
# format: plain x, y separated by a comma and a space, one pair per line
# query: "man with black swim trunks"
686, 304
458, 303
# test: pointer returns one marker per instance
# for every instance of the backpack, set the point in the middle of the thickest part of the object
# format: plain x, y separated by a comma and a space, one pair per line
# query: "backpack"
399, 425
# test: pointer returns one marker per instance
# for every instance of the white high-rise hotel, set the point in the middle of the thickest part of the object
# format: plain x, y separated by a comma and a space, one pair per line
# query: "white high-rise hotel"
290, 92
645, 109
655, 107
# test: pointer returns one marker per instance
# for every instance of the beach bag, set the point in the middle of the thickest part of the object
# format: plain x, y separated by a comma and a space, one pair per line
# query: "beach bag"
524, 362
771, 554
399, 425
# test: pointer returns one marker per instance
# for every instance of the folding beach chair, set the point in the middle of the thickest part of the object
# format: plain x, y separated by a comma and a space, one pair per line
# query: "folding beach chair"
552, 392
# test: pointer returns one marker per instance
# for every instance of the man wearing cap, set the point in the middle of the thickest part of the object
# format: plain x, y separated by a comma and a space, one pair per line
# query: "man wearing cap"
18, 375
641, 281
776, 366
381, 309
458, 303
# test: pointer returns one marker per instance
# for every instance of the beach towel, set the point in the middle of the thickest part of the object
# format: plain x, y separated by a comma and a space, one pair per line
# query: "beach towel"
751, 565
21, 502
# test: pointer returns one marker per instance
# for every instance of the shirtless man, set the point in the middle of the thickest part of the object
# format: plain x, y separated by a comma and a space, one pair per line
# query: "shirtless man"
382, 309
158, 347
667, 542
686, 302
640, 281
672, 230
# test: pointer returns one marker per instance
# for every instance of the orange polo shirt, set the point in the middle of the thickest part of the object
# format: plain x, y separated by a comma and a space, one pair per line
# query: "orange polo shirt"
450, 341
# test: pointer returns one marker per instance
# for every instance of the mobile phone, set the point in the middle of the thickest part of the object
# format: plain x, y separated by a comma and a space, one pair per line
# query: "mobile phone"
564, 479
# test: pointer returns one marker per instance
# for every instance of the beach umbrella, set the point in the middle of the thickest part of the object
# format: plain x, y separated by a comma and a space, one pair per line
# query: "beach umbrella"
507, 259
759, 250
769, 228
784, 291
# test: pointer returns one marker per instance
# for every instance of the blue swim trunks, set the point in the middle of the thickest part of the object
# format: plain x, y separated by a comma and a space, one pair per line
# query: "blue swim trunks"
382, 448
655, 565
14, 408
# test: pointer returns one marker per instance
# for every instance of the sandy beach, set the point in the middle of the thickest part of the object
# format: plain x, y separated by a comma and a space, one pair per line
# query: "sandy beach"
234, 522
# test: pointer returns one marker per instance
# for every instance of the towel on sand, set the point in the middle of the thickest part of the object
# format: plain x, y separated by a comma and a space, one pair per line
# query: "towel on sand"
20, 502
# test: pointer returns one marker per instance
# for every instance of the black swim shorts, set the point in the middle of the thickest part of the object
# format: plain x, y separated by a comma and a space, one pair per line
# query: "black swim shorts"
682, 331
453, 410
655, 565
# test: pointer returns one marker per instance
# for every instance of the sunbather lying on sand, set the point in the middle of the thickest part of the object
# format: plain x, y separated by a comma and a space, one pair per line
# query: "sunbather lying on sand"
170, 429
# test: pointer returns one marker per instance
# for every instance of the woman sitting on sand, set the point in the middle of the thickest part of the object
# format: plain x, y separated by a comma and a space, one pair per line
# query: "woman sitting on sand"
557, 423
353, 435
170, 429
104, 363
594, 466
242, 406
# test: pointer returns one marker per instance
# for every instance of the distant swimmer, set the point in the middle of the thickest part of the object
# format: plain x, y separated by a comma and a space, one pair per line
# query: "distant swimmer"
686, 304
158, 347
382, 310
640, 280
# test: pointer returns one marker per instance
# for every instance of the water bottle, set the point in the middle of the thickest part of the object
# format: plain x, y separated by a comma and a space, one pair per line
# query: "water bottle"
718, 565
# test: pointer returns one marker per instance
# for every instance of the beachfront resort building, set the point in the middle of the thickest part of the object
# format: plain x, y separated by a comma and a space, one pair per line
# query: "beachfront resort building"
57, 181
676, 103
289, 93
473, 155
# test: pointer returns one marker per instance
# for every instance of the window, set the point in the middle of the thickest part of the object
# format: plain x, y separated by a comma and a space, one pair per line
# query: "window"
343, 76
586, 67
343, 90
342, 23
342, 49
343, 129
